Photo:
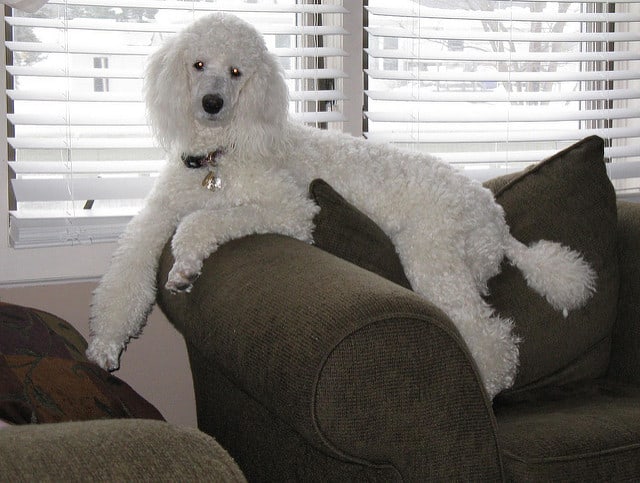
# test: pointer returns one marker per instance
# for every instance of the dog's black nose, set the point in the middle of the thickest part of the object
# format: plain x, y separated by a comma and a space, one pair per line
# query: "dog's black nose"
212, 103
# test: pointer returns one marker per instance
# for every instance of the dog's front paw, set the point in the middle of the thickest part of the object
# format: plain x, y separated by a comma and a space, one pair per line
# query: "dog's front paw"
104, 354
182, 276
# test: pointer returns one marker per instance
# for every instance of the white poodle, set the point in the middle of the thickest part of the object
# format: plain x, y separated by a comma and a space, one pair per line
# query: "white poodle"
238, 165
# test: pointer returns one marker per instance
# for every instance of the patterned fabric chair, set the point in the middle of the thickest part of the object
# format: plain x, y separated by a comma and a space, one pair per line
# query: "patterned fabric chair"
62, 418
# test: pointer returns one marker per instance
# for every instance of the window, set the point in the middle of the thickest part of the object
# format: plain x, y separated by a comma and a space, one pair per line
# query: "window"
488, 85
80, 154
496, 85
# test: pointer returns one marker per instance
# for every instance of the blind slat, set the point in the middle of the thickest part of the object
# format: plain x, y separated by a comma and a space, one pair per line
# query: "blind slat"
60, 143
514, 35
496, 114
28, 71
320, 95
594, 75
477, 94
85, 167
172, 28
280, 7
115, 119
527, 157
135, 98
330, 116
515, 15
84, 119
512, 135
45, 71
328, 73
145, 50
76, 188
73, 96
477, 55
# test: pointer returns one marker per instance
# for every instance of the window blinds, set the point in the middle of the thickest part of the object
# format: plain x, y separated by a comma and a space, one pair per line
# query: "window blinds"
496, 85
81, 156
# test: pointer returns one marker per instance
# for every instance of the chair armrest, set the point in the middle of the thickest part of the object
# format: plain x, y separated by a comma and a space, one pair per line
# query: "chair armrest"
625, 350
363, 369
113, 450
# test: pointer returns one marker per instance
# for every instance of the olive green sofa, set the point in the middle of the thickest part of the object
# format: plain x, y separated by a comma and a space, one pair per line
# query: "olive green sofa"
318, 363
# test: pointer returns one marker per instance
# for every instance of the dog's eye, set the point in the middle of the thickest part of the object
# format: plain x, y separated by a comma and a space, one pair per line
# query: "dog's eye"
199, 65
235, 72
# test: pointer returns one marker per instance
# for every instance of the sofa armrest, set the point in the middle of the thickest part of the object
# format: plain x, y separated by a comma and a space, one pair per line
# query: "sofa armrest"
625, 350
363, 369
113, 450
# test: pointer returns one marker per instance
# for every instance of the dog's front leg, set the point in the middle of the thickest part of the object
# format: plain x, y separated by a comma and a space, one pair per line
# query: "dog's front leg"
126, 293
200, 233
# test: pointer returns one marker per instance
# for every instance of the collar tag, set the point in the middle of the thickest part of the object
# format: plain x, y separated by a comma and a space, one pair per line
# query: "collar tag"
211, 181
210, 160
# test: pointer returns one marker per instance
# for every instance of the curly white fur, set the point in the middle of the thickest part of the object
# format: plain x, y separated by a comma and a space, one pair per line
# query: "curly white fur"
449, 232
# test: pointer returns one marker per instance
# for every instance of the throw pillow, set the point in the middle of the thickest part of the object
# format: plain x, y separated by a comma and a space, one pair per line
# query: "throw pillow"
344, 231
46, 378
567, 198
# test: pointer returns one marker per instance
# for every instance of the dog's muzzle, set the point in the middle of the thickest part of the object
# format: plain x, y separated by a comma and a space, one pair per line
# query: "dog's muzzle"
212, 103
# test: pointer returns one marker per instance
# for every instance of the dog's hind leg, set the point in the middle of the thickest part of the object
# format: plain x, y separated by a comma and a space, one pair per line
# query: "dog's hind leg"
489, 337
445, 280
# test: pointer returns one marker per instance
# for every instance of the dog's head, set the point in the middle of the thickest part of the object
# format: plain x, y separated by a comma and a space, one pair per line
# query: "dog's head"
215, 75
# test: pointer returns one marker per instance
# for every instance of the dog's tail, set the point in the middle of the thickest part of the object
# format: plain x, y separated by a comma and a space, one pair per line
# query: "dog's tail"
556, 272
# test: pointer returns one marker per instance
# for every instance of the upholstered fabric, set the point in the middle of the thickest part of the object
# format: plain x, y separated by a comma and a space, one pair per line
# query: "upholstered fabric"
46, 378
579, 432
346, 232
566, 198
343, 375
349, 361
625, 353
112, 450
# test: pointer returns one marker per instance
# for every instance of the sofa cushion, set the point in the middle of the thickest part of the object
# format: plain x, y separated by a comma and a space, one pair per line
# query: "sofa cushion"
46, 378
344, 231
566, 198
117, 450
587, 431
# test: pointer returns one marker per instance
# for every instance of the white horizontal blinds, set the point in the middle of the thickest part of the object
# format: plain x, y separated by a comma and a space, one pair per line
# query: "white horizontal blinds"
81, 153
494, 86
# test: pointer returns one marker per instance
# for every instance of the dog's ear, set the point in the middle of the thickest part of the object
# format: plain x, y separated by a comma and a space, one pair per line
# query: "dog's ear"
263, 103
166, 93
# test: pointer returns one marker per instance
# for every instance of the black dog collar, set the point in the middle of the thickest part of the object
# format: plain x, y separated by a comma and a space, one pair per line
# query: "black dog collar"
209, 159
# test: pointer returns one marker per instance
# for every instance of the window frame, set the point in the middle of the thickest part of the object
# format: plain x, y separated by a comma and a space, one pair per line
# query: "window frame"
87, 262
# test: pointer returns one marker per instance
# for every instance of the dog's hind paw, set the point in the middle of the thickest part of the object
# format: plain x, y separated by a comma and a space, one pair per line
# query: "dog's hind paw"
180, 280
177, 287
